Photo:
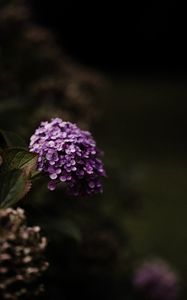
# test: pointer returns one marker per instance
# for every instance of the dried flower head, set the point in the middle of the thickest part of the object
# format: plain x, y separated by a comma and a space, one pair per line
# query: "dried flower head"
154, 280
68, 154
21, 256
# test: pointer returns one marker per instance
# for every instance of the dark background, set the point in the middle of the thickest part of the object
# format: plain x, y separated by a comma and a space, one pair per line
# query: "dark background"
125, 36
137, 116
141, 48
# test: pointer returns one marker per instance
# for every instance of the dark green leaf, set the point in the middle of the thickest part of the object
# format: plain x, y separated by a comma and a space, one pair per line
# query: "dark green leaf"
13, 186
17, 158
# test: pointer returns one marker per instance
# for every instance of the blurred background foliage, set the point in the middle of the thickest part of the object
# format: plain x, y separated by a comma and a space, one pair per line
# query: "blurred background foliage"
136, 114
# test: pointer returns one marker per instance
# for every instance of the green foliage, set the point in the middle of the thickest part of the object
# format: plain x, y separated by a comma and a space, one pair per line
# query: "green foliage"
14, 185
19, 158
17, 167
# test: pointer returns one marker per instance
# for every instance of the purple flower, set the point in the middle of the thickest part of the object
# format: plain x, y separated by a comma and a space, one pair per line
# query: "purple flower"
154, 280
68, 154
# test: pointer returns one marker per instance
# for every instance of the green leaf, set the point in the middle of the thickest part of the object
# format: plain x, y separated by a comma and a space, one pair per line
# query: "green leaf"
10, 139
13, 187
17, 158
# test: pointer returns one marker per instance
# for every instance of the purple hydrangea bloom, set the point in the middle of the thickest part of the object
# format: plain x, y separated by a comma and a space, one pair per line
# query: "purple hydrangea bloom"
154, 280
68, 154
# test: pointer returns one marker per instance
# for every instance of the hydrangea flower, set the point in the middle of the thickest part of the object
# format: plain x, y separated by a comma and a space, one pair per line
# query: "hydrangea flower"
68, 154
154, 280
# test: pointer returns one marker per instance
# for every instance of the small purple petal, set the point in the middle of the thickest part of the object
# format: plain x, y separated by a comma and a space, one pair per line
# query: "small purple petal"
63, 178
51, 185
53, 176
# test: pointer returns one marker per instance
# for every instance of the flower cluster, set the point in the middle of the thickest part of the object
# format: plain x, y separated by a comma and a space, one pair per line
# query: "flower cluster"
68, 154
21, 256
155, 280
